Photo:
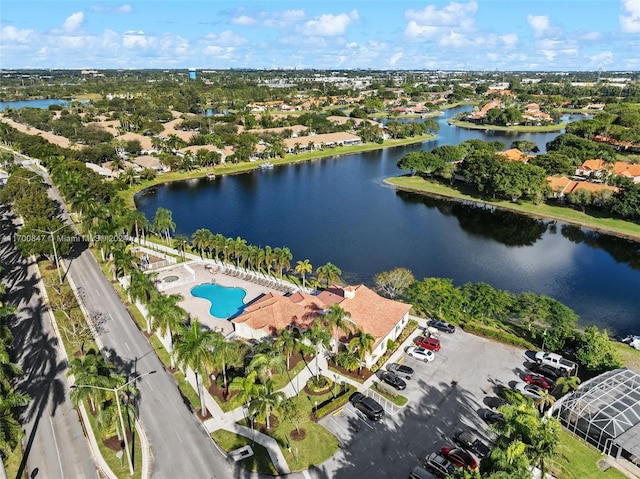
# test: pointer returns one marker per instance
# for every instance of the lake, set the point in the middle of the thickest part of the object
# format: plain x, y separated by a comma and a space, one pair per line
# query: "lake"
31, 103
339, 210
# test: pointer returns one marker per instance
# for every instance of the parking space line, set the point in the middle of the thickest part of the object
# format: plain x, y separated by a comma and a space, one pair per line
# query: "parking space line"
359, 417
340, 426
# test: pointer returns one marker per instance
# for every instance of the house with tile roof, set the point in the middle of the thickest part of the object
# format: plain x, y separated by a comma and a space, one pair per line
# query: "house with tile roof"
592, 167
383, 318
514, 154
562, 186
320, 141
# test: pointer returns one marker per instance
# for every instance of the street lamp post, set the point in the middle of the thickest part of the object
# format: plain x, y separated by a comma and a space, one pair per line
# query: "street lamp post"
55, 254
115, 392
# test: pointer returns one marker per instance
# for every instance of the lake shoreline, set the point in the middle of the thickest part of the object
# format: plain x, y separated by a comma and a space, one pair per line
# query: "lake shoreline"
510, 129
462, 198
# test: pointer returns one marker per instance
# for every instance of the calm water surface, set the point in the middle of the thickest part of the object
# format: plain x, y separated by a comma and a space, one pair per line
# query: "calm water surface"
338, 210
31, 103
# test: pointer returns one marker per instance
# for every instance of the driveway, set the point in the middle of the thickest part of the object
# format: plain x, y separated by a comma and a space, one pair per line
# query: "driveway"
445, 396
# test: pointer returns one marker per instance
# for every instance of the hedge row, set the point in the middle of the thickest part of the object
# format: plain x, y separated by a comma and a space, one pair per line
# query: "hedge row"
490, 331
334, 404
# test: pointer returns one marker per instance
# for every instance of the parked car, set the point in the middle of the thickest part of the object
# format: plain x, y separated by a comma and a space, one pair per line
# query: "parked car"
392, 379
540, 381
438, 465
495, 402
368, 406
442, 326
432, 344
419, 473
492, 417
528, 390
421, 353
459, 457
401, 370
555, 360
471, 442
548, 371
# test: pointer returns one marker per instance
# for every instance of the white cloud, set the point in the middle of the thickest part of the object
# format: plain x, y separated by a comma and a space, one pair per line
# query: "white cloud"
12, 34
328, 25
102, 8
430, 23
539, 24
590, 36
281, 19
509, 40
244, 21
137, 39
226, 38
602, 58
630, 19
394, 59
73, 22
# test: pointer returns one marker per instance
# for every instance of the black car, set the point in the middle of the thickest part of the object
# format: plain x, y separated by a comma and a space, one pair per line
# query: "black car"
438, 465
368, 406
401, 370
549, 371
442, 326
392, 379
471, 442
492, 417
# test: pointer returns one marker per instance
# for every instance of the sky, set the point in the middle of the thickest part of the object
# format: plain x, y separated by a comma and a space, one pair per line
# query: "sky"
549, 35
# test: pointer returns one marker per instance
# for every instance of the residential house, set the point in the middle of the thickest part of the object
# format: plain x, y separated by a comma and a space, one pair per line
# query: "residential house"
561, 186
321, 141
152, 162
383, 318
514, 154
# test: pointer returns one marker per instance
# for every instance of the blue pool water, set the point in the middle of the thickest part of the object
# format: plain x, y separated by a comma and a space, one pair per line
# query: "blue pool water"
225, 302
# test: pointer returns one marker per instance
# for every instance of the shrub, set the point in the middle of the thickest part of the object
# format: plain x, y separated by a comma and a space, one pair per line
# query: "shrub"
491, 331
411, 326
336, 403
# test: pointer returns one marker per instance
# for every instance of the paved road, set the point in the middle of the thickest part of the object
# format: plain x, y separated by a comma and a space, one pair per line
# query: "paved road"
54, 443
179, 444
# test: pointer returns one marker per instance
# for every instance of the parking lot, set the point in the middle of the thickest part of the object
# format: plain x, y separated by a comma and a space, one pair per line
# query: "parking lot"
445, 396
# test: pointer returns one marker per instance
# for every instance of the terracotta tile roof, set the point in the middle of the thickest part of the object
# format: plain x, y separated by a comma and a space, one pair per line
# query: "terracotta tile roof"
593, 187
369, 311
626, 169
559, 184
596, 164
514, 154
564, 186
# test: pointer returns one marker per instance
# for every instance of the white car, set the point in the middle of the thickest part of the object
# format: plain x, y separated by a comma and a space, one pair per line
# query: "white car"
421, 353
529, 390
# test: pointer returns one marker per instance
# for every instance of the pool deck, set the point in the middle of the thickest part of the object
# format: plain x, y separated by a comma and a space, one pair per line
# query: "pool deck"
199, 307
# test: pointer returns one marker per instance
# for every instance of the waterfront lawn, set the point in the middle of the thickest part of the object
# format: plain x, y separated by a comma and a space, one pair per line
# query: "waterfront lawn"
569, 215
630, 357
579, 460
515, 128
259, 462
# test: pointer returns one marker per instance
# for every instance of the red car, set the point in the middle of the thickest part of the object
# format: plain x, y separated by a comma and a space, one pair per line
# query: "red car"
540, 381
432, 344
459, 457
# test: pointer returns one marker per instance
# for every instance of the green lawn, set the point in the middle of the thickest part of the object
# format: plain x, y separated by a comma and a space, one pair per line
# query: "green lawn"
579, 460
630, 357
12, 462
565, 214
259, 462
517, 128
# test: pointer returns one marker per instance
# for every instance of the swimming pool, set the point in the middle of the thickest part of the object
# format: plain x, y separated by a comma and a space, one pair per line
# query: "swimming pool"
225, 301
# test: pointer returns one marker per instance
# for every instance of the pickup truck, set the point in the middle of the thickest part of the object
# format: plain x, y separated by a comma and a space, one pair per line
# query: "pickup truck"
557, 361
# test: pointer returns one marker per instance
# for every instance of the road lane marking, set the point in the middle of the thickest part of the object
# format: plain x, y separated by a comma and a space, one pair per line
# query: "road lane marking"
125, 343
148, 384
340, 425
55, 442
97, 292
358, 416
176, 431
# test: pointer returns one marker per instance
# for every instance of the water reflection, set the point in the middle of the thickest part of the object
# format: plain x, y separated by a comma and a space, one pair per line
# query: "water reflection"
622, 250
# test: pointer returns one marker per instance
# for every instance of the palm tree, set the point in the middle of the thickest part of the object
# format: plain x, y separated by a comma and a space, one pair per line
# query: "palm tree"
330, 272
545, 401
123, 262
545, 443
246, 387
163, 223
130, 176
239, 250
266, 364
303, 268
565, 384
286, 343
225, 354
92, 370
82, 201
319, 338
180, 243
362, 345
283, 258
201, 240
266, 402
339, 320
169, 316
10, 429
133, 221
141, 287
194, 349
